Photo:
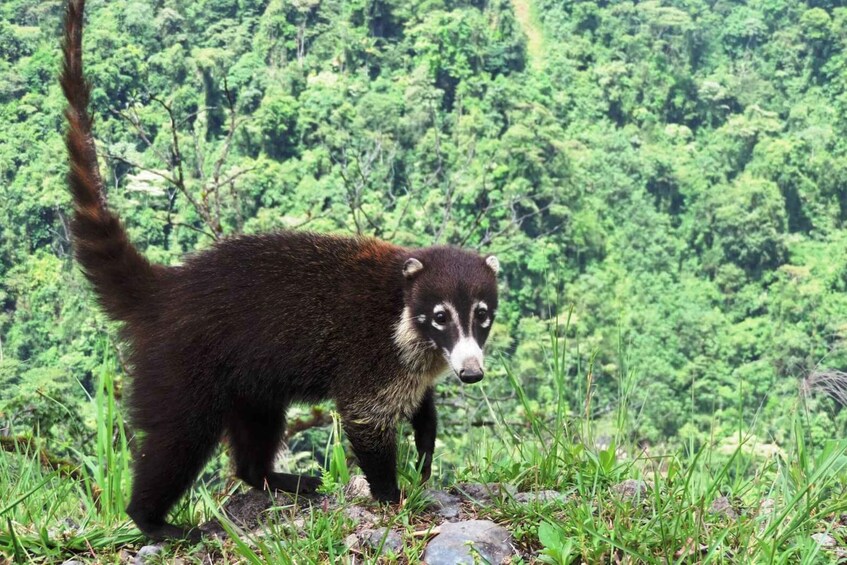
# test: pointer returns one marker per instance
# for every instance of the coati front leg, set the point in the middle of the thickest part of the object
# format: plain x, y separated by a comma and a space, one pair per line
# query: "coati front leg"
375, 446
256, 434
425, 423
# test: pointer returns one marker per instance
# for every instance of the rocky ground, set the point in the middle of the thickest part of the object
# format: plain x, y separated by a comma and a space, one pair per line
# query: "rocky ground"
451, 526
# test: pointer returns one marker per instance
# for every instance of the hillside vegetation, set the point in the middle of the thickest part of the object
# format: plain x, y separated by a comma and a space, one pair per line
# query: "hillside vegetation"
664, 182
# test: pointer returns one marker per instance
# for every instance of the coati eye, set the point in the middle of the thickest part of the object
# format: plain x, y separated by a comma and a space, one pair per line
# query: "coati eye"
440, 317
481, 313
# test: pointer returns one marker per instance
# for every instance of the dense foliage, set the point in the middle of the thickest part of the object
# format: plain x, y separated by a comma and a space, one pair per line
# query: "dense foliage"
675, 170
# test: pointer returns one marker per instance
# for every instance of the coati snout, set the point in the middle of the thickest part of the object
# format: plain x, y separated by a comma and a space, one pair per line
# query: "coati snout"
220, 346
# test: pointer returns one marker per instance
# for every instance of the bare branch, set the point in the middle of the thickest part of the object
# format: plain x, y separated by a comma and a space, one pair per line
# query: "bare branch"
135, 122
114, 156
193, 228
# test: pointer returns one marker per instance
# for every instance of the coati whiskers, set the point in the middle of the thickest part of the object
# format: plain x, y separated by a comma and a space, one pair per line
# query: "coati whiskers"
222, 344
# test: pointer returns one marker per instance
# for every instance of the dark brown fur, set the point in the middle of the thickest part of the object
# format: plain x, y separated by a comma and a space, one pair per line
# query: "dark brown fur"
224, 343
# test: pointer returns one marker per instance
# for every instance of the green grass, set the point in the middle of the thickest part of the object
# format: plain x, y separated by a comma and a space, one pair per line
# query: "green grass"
780, 501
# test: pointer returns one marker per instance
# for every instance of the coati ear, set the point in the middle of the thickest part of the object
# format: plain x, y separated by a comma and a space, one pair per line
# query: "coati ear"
493, 263
412, 267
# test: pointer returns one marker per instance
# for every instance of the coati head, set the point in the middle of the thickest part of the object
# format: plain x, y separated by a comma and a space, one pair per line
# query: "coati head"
450, 303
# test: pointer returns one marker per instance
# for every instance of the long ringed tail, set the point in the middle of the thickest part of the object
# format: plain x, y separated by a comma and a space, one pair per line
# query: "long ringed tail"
122, 278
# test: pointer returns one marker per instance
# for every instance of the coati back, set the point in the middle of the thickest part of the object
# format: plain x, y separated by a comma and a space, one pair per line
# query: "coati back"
222, 344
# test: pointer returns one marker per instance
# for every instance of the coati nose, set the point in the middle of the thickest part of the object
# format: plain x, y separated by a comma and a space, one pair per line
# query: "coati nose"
471, 376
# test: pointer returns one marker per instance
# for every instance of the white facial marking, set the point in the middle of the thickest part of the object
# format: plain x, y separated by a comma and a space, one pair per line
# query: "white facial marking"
450, 308
415, 353
466, 354
439, 308
421, 319
481, 304
405, 335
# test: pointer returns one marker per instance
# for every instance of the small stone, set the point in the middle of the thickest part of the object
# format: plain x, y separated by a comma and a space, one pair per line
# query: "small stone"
352, 541
630, 489
444, 504
358, 487
299, 523
374, 539
767, 507
723, 507
467, 542
146, 554
72, 562
540, 497
826, 541
361, 515
484, 492
767, 511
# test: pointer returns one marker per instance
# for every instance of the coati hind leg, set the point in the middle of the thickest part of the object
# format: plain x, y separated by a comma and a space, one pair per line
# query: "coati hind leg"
256, 434
425, 422
167, 463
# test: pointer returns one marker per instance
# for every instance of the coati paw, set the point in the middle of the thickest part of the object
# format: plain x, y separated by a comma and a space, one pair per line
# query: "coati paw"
389, 496
425, 465
308, 484
426, 473
169, 532
296, 484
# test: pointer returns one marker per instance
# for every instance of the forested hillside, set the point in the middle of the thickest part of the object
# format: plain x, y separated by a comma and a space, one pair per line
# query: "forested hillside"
669, 176
664, 183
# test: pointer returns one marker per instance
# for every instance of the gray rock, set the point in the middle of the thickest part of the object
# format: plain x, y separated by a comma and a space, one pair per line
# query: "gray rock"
484, 492
631, 489
767, 512
360, 515
540, 497
767, 507
358, 487
464, 542
146, 554
352, 541
723, 507
826, 541
444, 504
374, 538
72, 562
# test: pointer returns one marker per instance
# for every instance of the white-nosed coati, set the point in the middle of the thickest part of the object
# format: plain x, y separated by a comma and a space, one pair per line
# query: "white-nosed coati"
224, 343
